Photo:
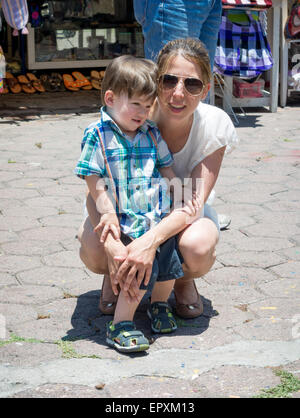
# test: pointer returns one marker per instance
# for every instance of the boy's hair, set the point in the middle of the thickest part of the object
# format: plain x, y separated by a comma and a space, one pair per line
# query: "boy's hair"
130, 75
189, 48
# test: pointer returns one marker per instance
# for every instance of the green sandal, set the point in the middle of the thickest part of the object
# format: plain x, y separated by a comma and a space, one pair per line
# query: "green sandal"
124, 337
162, 319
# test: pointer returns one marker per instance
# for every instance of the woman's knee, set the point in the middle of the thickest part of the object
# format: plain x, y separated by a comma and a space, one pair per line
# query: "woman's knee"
91, 251
198, 246
198, 254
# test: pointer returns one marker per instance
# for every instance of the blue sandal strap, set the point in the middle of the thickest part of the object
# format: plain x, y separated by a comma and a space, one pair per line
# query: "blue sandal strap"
125, 332
162, 319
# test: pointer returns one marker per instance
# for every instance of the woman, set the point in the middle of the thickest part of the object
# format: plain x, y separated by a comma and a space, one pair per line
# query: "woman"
197, 134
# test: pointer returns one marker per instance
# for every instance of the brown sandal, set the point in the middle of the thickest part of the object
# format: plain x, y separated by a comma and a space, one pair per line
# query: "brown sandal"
96, 80
189, 310
26, 85
107, 307
35, 82
13, 83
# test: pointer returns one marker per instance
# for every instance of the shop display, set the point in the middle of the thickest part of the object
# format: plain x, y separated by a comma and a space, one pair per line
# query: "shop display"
82, 31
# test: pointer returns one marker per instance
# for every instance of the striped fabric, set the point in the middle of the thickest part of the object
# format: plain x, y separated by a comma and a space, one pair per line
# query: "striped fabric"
257, 4
16, 15
242, 51
133, 163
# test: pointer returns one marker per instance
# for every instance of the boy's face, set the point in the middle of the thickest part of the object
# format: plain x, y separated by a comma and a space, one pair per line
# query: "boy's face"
129, 114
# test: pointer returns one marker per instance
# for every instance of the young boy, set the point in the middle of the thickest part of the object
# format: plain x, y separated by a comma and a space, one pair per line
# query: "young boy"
123, 161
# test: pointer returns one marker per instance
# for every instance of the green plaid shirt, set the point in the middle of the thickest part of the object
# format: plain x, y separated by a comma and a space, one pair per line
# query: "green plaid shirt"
142, 194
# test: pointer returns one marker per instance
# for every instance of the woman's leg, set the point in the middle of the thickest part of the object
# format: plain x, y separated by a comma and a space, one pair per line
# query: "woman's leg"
197, 245
94, 257
91, 251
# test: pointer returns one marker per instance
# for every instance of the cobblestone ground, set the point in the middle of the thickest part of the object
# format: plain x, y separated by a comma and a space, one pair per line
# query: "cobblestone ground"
52, 335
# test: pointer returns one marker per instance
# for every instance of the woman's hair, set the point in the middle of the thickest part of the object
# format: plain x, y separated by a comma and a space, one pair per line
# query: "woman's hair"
130, 75
189, 48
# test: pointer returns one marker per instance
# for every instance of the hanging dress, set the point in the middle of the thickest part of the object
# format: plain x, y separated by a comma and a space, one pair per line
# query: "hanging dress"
16, 15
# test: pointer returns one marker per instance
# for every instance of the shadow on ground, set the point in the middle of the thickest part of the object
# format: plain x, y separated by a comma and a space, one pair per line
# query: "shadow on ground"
90, 324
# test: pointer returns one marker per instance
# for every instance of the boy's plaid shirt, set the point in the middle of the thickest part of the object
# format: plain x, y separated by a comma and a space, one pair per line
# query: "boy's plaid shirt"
142, 194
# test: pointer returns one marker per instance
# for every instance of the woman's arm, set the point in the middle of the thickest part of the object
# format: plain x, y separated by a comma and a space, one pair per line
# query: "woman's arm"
208, 170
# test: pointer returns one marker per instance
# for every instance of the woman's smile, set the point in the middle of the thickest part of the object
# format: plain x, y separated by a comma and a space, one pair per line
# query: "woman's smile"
176, 108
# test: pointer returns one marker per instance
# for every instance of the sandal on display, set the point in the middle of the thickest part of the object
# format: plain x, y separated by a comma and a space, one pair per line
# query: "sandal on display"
57, 80
13, 83
70, 83
107, 307
82, 81
26, 85
189, 310
36, 83
96, 80
48, 83
162, 319
125, 338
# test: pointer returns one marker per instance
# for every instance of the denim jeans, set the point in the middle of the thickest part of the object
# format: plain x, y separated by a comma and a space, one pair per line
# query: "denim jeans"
163, 21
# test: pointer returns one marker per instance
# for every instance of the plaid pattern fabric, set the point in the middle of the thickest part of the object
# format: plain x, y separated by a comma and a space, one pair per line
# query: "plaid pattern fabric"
142, 196
242, 51
257, 4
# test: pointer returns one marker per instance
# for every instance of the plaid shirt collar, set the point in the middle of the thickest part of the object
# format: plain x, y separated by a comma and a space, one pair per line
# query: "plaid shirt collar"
107, 120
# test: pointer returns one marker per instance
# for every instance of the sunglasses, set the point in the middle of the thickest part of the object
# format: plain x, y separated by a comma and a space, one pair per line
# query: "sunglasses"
193, 86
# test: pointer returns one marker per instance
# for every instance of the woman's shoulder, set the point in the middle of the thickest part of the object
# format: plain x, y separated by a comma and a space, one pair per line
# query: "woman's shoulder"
206, 112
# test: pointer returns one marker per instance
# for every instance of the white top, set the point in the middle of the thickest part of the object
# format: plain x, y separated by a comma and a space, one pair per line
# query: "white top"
212, 129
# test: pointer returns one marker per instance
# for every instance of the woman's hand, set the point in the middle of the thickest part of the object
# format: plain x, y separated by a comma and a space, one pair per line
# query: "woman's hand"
116, 249
108, 222
113, 248
137, 265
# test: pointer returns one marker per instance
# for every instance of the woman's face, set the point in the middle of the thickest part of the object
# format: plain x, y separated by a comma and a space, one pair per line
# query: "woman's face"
177, 104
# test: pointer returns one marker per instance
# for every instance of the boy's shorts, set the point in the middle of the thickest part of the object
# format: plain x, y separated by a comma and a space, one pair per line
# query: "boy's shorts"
167, 264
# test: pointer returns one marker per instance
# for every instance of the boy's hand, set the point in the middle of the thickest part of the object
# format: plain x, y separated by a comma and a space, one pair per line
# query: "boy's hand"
108, 222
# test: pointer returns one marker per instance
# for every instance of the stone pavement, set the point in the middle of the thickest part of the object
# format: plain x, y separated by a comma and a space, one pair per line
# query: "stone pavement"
52, 335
